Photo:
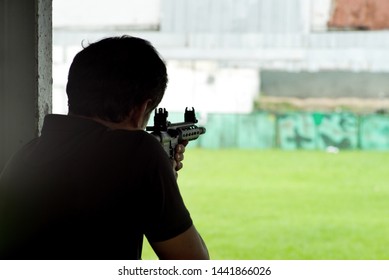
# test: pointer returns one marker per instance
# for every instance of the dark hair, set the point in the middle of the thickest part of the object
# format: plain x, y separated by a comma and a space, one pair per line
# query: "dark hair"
111, 77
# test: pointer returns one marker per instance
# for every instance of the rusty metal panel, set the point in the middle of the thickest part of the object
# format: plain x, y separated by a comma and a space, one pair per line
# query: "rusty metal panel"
360, 14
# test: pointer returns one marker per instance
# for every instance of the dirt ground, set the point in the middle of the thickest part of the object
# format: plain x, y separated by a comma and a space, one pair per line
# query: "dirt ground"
356, 105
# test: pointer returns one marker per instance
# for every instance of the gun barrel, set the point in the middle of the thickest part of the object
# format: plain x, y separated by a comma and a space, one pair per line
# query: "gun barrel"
190, 133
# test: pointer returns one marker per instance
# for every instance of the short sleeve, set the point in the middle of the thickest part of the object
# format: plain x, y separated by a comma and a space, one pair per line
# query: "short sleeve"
166, 213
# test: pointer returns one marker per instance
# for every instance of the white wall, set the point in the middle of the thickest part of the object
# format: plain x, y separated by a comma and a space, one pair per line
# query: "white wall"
320, 14
210, 87
92, 14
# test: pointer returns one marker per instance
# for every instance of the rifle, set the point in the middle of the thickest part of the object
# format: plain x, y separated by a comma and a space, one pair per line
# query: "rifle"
171, 134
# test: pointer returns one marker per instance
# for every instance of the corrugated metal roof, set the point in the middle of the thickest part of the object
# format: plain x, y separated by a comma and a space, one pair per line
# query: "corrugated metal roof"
236, 16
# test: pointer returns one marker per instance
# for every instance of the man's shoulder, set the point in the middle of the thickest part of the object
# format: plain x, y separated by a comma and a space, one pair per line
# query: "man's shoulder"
87, 137
74, 126
139, 137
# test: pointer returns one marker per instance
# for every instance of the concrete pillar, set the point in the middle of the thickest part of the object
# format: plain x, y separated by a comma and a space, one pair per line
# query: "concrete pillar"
25, 71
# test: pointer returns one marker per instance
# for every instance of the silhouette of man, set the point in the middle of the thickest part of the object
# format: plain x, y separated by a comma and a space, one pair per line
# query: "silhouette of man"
95, 183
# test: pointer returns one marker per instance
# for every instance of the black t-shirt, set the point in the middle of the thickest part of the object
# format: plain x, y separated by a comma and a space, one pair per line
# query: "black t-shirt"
83, 191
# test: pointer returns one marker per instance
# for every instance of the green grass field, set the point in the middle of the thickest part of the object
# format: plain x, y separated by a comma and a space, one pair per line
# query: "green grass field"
289, 205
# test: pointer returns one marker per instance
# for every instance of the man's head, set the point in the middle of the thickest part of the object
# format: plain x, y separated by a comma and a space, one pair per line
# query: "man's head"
112, 77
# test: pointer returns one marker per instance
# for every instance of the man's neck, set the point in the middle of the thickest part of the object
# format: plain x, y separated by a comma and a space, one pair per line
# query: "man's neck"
125, 125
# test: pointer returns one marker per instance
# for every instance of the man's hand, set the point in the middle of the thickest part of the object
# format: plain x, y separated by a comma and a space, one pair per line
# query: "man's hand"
179, 156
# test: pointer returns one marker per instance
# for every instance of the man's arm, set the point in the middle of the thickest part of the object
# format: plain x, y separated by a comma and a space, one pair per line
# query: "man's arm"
186, 246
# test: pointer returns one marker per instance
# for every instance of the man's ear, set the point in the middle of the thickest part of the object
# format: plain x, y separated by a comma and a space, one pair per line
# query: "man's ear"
141, 114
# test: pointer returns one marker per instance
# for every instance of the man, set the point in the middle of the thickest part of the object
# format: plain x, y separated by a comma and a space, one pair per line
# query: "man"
94, 183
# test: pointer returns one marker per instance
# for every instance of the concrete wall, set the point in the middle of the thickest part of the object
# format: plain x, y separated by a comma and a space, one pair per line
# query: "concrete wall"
25, 71
332, 84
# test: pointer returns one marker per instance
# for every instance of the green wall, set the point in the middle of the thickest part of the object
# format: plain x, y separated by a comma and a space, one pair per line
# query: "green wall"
292, 131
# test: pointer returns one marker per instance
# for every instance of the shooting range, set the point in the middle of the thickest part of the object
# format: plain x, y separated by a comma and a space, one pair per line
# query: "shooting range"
294, 96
